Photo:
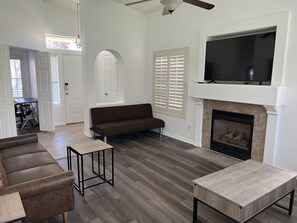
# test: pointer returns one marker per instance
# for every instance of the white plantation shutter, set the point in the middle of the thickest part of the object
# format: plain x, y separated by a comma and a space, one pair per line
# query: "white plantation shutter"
161, 81
169, 81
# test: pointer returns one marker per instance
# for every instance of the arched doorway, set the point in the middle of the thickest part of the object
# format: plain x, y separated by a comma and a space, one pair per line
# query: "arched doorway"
109, 77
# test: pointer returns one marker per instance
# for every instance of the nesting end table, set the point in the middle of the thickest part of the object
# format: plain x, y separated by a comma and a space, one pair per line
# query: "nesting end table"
95, 148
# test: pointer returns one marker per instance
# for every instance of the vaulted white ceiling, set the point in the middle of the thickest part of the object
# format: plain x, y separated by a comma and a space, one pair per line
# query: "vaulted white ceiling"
69, 4
145, 7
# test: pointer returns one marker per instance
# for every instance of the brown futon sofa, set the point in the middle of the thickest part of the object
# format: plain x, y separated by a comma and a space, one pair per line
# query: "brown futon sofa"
26, 167
108, 121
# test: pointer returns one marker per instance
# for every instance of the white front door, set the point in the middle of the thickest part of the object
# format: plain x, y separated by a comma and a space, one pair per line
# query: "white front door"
72, 65
44, 92
7, 113
111, 78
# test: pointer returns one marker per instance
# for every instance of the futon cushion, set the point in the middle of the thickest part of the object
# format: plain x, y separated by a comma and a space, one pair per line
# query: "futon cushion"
33, 173
128, 126
3, 178
21, 150
120, 113
27, 161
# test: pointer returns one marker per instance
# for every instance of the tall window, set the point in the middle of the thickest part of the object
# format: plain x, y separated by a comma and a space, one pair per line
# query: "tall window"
55, 80
169, 81
61, 42
16, 78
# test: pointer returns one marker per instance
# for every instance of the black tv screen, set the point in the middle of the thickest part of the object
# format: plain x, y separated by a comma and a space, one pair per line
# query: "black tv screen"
244, 58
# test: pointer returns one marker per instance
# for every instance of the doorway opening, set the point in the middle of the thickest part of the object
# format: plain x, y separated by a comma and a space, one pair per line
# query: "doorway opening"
109, 77
24, 89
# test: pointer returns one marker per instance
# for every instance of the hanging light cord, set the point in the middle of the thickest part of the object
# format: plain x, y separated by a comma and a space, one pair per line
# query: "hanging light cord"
78, 27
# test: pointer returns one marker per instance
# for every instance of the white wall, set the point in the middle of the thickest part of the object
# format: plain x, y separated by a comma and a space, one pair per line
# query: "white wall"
59, 20
21, 24
287, 153
108, 25
182, 30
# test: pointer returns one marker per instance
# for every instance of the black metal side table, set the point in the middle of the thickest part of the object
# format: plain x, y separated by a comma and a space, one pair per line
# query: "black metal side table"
96, 147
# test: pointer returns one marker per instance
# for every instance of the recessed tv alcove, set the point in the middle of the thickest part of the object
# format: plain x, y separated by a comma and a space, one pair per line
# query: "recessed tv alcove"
263, 25
243, 58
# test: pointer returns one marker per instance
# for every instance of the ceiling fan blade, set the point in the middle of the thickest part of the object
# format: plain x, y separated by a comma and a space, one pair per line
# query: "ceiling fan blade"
134, 3
200, 4
165, 12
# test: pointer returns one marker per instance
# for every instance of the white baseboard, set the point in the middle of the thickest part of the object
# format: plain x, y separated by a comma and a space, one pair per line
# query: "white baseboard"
197, 144
183, 139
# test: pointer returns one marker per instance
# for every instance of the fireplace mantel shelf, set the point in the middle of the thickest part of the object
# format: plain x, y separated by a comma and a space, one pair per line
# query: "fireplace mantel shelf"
250, 94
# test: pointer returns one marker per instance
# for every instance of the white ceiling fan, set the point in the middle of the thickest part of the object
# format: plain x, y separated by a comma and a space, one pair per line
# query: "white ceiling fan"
171, 5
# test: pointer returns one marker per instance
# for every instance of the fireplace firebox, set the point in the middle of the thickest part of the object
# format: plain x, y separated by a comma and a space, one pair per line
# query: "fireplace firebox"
232, 133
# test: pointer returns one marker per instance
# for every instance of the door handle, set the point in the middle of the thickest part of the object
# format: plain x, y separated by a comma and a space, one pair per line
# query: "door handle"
66, 87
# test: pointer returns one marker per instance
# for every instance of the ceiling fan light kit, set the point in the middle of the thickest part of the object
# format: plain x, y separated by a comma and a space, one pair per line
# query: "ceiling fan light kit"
171, 5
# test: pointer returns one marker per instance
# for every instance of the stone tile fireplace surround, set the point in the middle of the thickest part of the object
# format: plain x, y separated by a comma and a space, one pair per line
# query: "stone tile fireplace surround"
264, 102
260, 120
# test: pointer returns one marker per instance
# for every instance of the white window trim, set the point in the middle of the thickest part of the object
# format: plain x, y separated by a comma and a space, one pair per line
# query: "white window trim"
166, 110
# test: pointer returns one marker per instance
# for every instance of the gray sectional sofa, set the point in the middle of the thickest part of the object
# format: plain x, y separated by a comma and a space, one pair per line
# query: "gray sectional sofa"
45, 189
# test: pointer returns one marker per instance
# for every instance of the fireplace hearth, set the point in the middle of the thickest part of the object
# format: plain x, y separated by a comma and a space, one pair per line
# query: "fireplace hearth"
232, 133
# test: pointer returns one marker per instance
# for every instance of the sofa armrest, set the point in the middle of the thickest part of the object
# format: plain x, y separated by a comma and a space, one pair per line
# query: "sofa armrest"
18, 140
41, 186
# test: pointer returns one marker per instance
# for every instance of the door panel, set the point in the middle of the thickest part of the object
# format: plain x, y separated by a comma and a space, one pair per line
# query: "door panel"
44, 92
111, 78
7, 113
74, 90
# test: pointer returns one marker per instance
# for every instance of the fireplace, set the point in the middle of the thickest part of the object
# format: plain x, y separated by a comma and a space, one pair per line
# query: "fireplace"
232, 133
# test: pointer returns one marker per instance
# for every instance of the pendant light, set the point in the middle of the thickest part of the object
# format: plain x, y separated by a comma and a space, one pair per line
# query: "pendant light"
77, 40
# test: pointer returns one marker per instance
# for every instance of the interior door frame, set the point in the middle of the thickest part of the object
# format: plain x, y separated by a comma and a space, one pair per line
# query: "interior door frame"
7, 112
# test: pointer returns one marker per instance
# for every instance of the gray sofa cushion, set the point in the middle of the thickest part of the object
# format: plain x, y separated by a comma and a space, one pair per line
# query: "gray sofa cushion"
33, 174
21, 150
27, 161
3, 178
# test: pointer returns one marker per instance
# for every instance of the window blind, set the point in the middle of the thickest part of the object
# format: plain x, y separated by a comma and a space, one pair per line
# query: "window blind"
169, 81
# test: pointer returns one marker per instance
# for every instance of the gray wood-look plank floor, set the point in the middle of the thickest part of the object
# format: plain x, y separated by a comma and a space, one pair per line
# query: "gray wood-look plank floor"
153, 184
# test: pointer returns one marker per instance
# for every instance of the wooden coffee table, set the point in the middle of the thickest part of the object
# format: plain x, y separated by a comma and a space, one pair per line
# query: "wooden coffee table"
244, 190
96, 147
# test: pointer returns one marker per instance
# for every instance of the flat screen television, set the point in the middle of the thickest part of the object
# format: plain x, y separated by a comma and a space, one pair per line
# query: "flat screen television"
242, 59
